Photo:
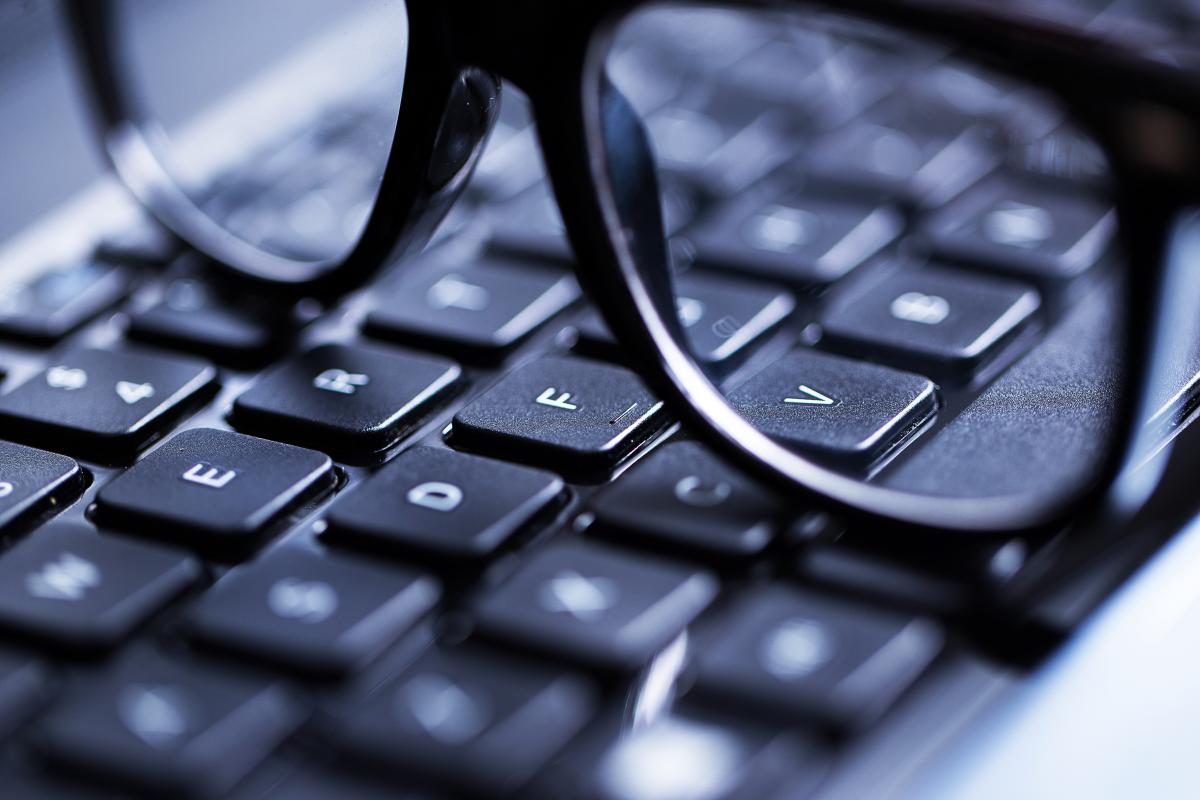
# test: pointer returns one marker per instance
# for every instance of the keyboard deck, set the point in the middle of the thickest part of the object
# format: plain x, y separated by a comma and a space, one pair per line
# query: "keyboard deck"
437, 540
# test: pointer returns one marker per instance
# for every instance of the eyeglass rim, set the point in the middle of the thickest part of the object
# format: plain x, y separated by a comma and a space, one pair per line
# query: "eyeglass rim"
576, 153
407, 206
682, 383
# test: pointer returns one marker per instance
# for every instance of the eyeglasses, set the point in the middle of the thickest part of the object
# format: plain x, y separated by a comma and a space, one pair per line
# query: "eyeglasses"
932, 220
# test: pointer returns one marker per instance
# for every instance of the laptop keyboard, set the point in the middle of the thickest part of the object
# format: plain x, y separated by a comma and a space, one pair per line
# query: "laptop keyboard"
384, 550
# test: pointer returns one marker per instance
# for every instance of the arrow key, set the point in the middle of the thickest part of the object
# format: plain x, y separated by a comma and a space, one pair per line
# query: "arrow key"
847, 412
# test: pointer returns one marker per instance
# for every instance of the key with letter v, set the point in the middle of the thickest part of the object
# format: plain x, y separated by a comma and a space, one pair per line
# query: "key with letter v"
811, 397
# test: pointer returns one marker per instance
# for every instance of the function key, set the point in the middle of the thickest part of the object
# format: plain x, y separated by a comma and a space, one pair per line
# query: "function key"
595, 605
32, 482
482, 722
799, 655
479, 310
579, 417
74, 587
344, 399
102, 404
59, 301
850, 413
213, 488
938, 321
444, 503
1036, 230
804, 237
171, 729
321, 614
683, 496
723, 319
194, 317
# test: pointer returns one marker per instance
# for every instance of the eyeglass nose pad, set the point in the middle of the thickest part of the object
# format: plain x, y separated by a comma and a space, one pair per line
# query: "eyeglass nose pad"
471, 111
635, 188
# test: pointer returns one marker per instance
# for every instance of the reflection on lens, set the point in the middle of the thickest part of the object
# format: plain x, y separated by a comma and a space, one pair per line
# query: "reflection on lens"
278, 114
896, 262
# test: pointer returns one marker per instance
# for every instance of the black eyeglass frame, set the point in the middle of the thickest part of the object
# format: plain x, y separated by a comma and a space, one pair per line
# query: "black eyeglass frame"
1143, 113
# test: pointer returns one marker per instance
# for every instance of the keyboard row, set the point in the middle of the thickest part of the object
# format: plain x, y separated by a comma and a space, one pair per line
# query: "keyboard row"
483, 716
579, 417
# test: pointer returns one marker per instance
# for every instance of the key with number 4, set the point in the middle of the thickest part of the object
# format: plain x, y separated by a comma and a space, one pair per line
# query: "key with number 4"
102, 404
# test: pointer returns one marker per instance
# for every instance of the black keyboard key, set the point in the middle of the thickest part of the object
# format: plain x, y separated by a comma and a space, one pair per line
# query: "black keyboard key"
69, 585
309, 611
808, 237
723, 141
1065, 154
937, 321
883, 579
579, 417
343, 399
143, 243
902, 154
530, 225
213, 488
479, 310
512, 160
847, 412
444, 503
102, 404
799, 655
595, 605
1046, 233
24, 686
481, 722
696, 753
724, 319
683, 496
57, 302
195, 318
166, 728
33, 481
